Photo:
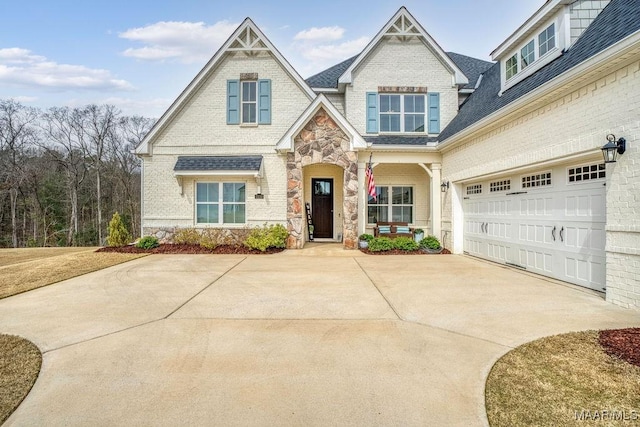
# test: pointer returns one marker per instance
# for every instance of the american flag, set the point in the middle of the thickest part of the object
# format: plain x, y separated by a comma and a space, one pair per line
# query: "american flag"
371, 184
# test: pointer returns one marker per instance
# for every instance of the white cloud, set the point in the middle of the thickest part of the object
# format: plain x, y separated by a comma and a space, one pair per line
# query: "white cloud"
21, 67
315, 34
332, 52
184, 41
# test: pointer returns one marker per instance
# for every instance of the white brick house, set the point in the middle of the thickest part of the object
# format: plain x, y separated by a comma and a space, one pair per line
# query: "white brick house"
500, 160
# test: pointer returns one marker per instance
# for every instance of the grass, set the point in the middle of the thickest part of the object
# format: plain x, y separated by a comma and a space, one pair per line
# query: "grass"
553, 381
26, 269
20, 362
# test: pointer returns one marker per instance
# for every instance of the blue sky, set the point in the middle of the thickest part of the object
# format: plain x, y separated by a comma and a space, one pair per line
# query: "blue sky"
140, 54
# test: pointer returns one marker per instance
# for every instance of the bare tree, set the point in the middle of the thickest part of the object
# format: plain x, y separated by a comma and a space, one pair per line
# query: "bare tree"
16, 134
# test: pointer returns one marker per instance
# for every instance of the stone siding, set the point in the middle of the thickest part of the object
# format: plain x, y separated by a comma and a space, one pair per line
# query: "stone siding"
321, 141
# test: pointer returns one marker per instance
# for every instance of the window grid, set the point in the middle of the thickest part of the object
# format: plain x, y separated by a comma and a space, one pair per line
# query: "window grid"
394, 203
474, 189
503, 185
249, 102
527, 54
547, 39
587, 172
536, 180
217, 200
402, 113
512, 66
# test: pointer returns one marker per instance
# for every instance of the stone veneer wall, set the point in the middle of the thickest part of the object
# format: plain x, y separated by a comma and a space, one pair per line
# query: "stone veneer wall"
321, 141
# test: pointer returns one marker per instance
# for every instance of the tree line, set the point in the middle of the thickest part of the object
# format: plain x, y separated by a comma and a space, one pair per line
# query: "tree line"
64, 171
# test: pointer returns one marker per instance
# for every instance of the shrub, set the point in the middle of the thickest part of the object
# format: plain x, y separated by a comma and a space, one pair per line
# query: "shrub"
430, 242
187, 236
211, 238
366, 237
379, 244
262, 238
118, 233
148, 242
405, 244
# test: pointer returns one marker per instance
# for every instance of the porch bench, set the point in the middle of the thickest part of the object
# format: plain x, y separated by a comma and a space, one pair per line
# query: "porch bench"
392, 230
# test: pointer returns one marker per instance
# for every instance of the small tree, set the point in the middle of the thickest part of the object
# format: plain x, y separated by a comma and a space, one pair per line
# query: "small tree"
118, 233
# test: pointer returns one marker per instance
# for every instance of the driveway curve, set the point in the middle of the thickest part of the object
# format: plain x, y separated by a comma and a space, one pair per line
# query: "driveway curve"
320, 336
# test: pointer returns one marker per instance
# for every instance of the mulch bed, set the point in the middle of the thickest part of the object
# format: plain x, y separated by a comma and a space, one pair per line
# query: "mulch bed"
189, 249
399, 252
622, 343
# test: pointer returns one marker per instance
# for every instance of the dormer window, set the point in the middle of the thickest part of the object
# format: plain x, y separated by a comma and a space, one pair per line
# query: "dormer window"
547, 39
527, 54
511, 66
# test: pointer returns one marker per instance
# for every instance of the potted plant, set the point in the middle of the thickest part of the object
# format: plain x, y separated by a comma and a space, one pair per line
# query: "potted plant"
431, 244
418, 234
363, 240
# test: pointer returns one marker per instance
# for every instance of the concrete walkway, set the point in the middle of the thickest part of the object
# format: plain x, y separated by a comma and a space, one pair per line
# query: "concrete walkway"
321, 336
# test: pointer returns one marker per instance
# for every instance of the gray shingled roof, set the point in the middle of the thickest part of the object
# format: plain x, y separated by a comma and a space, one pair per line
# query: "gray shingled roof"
215, 163
328, 78
471, 67
618, 20
399, 140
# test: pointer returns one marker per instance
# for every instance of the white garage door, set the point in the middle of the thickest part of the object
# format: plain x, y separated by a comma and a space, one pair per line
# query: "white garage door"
549, 222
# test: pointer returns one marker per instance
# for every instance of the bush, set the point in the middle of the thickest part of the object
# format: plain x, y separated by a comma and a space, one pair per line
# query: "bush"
430, 242
272, 236
211, 238
366, 237
148, 242
118, 233
405, 244
187, 236
379, 244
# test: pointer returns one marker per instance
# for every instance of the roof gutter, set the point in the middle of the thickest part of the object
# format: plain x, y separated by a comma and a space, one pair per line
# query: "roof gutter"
605, 56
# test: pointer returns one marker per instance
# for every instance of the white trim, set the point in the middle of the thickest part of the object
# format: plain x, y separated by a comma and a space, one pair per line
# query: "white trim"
253, 173
286, 143
145, 146
458, 76
602, 58
325, 90
220, 202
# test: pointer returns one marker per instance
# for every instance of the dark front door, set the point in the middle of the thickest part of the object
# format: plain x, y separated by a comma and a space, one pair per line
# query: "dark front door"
322, 207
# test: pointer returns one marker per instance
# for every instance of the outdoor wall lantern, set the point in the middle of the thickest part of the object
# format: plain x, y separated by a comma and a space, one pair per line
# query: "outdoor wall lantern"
444, 186
612, 148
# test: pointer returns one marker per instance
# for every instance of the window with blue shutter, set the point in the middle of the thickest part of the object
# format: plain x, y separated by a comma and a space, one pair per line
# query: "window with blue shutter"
434, 112
264, 102
372, 112
233, 102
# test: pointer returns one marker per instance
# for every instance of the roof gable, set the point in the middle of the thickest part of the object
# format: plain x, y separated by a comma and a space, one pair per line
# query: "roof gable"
404, 26
246, 38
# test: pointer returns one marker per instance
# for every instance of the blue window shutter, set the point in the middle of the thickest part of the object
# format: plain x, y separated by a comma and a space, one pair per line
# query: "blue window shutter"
233, 102
434, 112
264, 102
372, 112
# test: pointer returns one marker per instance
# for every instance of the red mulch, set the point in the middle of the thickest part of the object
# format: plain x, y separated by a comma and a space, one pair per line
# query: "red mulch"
399, 252
622, 343
189, 249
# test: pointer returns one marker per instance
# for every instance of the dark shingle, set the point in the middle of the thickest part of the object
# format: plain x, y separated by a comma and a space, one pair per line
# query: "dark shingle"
328, 78
399, 140
213, 163
618, 20
471, 67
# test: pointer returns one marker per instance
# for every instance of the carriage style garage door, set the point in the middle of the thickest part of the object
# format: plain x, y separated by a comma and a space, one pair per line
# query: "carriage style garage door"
550, 222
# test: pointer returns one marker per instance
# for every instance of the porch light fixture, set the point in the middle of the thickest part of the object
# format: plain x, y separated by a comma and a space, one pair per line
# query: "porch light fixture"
612, 148
444, 186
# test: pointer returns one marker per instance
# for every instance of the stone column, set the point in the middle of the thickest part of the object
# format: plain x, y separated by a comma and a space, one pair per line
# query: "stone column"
436, 200
294, 203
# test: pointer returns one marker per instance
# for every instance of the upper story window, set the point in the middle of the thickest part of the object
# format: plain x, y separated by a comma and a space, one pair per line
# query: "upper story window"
402, 113
531, 52
547, 39
249, 101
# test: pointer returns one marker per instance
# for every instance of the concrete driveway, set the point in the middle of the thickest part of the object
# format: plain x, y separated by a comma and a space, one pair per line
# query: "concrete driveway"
320, 337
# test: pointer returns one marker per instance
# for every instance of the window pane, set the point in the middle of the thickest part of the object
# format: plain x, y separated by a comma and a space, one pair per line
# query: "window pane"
419, 99
207, 213
414, 123
395, 103
249, 113
527, 54
207, 192
383, 195
233, 214
377, 214
402, 195
414, 104
233, 192
402, 214
384, 103
249, 91
547, 39
394, 125
511, 66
